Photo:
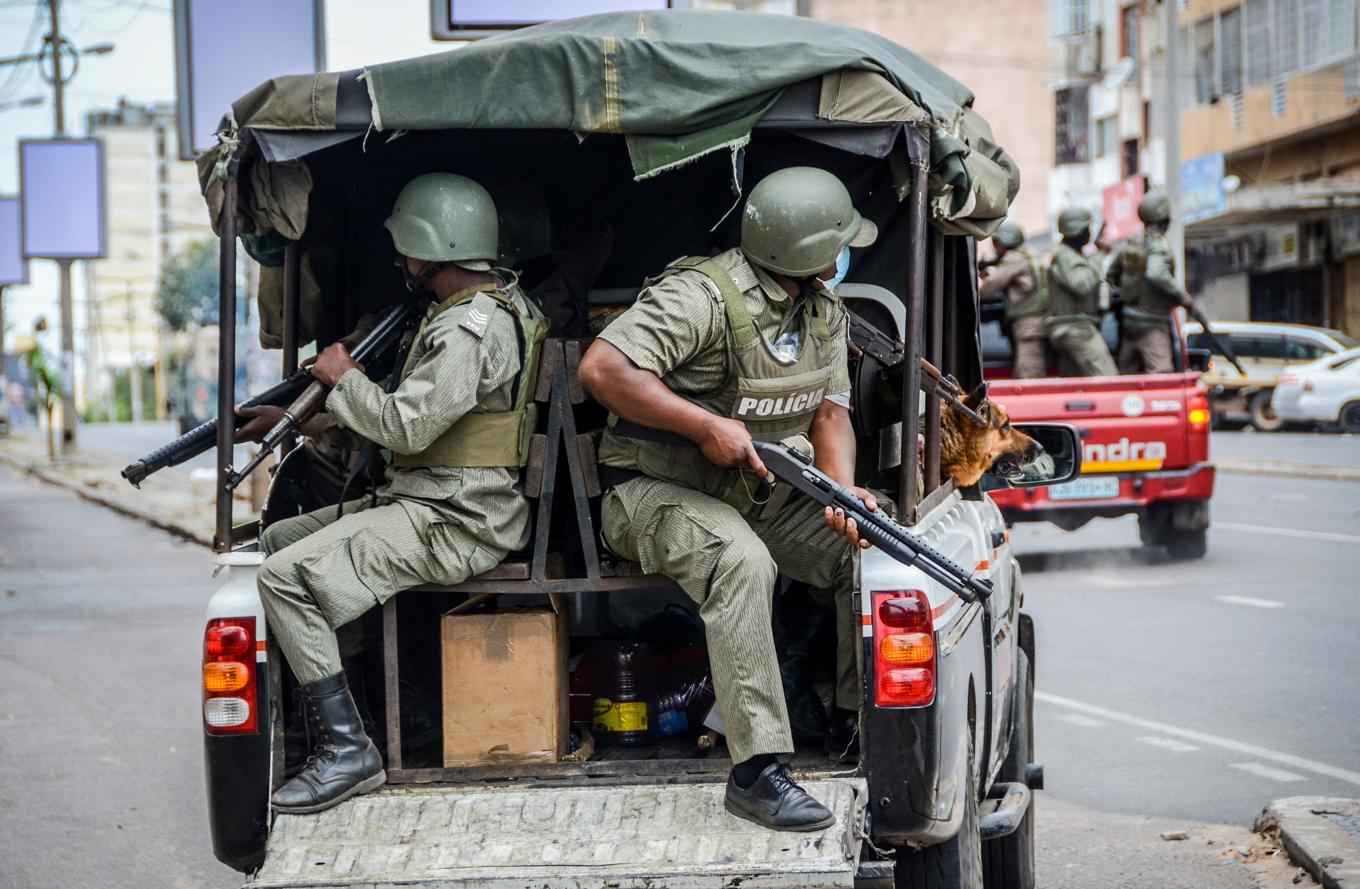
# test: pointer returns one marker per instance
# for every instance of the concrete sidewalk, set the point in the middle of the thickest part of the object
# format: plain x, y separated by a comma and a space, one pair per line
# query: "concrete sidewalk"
173, 500
1322, 834
1294, 454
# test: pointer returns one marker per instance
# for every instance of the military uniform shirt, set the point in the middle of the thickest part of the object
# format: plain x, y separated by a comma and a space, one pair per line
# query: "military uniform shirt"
458, 361
677, 328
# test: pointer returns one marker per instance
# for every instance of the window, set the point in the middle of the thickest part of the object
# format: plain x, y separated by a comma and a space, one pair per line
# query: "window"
1230, 52
1107, 136
1256, 25
1286, 54
1206, 84
1069, 17
1261, 347
1303, 350
1338, 35
1310, 30
1128, 34
1071, 125
1129, 164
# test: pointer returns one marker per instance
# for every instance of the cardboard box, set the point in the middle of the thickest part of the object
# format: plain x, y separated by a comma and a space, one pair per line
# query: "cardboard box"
505, 687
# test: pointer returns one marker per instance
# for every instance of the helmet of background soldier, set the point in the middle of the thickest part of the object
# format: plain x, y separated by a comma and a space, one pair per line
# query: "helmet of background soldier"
798, 220
1155, 208
1073, 221
1008, 235
442, 217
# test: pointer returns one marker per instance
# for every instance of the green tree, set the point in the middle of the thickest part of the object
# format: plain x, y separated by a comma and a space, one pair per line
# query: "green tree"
188, 286
47, 384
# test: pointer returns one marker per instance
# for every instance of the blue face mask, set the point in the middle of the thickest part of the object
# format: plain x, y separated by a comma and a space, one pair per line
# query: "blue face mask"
842, 266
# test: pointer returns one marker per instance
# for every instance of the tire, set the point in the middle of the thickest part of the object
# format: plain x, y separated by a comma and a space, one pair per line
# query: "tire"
1154, 525
1188, 545
1008, 862
1263, 416
1349, 418
954, 864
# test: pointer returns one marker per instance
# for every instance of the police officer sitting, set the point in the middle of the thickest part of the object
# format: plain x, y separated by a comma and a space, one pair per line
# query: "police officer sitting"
1019, 276
1144, 270
750, 343
1073, 320
451, 506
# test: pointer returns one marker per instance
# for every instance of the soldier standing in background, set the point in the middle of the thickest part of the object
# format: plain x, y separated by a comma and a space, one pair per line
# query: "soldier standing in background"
1144, 270
1020, 276
1073, 321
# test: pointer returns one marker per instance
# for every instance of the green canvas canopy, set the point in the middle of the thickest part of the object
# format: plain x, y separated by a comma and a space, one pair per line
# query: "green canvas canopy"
676, 84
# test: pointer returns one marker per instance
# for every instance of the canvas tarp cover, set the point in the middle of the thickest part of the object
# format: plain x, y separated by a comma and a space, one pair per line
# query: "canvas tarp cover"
677, 84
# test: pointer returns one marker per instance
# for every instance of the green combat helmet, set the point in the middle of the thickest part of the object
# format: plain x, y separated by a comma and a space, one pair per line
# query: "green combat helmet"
441, 217
1008, 235
1073, 221
1155, 208
798, 220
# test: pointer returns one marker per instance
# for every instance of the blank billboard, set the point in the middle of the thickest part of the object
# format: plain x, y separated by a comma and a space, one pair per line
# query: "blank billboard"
13, 268
224, 50
469, 19
61, 192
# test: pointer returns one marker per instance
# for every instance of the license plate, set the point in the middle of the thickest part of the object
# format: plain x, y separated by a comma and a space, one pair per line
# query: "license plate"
1085, 489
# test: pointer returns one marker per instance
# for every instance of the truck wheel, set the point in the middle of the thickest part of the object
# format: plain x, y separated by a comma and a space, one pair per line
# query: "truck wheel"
1008, 862
954, 864
1154, 525
1186, 545
1350, 417
1263, 416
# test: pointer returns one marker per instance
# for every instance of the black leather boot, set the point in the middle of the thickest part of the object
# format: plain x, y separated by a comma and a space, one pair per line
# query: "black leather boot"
776, 802
343, 761
842, 736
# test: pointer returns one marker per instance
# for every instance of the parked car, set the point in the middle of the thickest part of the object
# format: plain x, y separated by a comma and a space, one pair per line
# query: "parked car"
1266, 350
1325, 391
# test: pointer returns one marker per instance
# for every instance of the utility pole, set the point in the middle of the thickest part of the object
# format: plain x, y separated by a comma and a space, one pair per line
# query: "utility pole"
134, 372
1171, 132
56, 45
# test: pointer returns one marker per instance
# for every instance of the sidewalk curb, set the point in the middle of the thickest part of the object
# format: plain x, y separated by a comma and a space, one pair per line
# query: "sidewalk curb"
1321, 834
81, 491
1289, 470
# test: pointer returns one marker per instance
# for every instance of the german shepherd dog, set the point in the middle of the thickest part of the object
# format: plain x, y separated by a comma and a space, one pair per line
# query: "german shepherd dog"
969, 450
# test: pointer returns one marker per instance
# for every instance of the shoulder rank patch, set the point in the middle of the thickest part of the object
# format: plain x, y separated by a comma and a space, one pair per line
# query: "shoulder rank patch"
478, 315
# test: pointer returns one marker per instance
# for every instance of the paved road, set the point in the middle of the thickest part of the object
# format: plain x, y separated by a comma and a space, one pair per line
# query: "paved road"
100, 625
1312, 448
98, 711
1195, 693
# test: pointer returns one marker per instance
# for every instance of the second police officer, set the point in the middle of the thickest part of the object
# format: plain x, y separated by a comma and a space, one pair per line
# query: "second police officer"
1144, 270
1073, 321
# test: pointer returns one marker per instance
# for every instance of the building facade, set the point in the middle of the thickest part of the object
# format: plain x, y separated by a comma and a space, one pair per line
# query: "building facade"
154, 210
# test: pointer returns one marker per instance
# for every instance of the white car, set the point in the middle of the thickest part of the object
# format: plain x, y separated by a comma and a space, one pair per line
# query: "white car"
1323, 391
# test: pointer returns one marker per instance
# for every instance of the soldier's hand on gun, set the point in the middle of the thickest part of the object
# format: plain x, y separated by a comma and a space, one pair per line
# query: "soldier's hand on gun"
727, 443
259, 420
332, 364
846, 527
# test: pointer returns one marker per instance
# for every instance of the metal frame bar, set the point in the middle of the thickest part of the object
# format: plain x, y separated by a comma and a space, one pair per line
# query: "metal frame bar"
226, 355
292, 281
934, 348
917, 223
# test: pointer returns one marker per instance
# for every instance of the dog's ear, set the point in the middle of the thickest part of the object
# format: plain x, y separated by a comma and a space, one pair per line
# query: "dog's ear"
975, 398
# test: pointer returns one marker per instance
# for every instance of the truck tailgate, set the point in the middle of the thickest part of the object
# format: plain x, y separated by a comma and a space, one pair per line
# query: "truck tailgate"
1128, 423
625, 836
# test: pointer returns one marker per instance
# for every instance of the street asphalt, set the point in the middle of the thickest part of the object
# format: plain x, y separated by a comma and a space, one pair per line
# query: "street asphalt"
1174, 696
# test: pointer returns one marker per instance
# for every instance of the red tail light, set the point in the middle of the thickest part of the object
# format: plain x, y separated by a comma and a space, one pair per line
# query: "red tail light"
230, 699
1198, 410
1287, 380
904, 649
1307, 385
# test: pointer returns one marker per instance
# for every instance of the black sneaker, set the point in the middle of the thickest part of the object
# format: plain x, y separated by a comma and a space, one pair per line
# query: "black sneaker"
776, 802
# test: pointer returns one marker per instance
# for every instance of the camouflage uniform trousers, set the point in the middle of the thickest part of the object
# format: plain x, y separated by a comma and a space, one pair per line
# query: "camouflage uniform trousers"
1146, 349
728, 564
1030, 360
1081, 350
321, 573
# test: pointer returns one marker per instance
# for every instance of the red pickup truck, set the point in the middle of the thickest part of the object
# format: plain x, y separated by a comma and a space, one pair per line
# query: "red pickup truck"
1145, 446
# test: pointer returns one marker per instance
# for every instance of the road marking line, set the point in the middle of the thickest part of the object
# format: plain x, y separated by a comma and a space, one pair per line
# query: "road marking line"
1289, 532
1288, 759
1083, 721
1249, 601
1267, 772
1168, 744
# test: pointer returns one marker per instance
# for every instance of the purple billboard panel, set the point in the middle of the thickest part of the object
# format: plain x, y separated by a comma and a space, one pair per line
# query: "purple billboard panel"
61, 195
224, 50
13, 267
470, 19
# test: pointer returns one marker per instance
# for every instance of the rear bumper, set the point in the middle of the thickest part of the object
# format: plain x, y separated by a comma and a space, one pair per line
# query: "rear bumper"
1136, 492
